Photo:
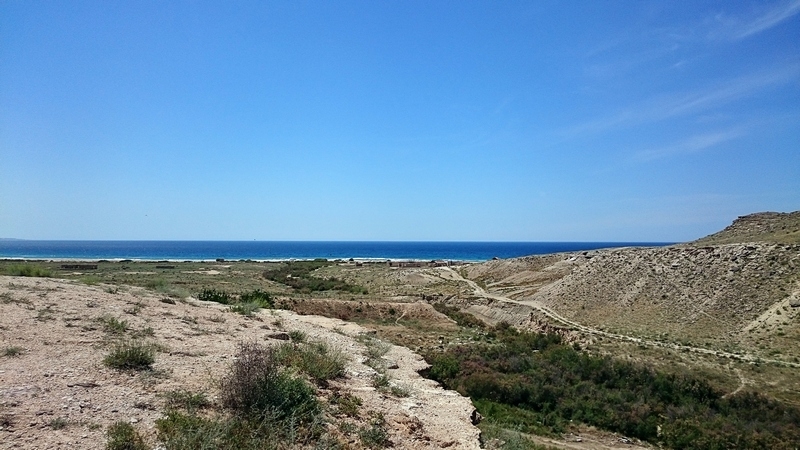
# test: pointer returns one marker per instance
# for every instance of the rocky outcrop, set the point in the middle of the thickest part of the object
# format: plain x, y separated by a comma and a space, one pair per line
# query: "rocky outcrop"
758, 227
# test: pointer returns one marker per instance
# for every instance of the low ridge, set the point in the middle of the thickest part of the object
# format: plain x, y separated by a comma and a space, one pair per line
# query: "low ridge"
736, 291
775, 227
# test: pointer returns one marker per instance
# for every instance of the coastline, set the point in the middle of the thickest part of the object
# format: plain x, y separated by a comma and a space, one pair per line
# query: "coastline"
224, 260
278, 251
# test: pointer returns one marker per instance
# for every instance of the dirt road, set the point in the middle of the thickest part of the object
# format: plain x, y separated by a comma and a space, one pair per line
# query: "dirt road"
450, 274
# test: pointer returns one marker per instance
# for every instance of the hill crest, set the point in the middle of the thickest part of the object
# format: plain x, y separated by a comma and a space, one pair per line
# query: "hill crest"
777, 227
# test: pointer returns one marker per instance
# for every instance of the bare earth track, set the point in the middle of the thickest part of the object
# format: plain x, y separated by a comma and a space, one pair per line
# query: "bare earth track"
482, 293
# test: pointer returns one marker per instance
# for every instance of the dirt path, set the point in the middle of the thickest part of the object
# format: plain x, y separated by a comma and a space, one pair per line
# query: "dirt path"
742, 383
480, 292
588, 441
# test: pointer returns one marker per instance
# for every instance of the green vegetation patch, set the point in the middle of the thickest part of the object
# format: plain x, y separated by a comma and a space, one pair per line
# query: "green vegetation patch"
297, 274
463, 319
186, 400
316, 359
28, 270
265, 405
510, 439
213, 295
123, 436
375, 435
537, 384
13, 351
346, 403
245, 303
257, 387
131, 355
113, 325
264, 299
187, 431
164, 286
245, 309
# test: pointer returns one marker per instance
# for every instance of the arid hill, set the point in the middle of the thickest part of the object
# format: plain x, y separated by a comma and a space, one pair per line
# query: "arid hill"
775, 227
741, 297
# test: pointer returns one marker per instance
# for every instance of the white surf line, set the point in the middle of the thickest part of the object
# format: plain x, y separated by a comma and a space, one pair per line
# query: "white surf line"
480, 292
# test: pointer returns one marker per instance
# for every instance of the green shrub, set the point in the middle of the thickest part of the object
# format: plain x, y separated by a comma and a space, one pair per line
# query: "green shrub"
376, 350
263, 299
13, 351
463, 319
90, 280
58, 423
346, 403
245, 309
297, 274
131, 355
538, 383
189, 401
246, 304
213, 295
161, 285
316, 359
123, 436
297, 336
375, 435
444, 367
113, 325
182, 431
28, 270
399, 391
511, 439
380, 382
255, 386
157, 284
146, 331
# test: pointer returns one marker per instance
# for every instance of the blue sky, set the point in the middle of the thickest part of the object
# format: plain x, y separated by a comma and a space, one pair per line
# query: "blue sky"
377, 120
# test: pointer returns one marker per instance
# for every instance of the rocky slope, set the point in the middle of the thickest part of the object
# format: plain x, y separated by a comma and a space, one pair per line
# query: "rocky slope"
736, 296
759, 227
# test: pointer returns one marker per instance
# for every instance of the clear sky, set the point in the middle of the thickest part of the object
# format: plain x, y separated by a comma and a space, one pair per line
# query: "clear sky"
396, 120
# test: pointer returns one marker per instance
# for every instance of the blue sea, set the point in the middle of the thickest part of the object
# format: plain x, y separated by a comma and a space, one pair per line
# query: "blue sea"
285, 250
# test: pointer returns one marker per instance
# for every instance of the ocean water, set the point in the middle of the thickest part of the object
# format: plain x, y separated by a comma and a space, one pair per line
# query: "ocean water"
283, 250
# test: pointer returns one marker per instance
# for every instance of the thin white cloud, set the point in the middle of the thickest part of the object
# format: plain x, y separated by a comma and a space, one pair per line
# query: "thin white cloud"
693, 144
731, 28
683, 104
770, 19
738, 88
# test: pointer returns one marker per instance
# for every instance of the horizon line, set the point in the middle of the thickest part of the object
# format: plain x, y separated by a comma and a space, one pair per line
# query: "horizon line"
338, 241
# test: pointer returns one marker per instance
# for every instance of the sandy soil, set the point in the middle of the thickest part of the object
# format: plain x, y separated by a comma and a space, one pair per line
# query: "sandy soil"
59, 377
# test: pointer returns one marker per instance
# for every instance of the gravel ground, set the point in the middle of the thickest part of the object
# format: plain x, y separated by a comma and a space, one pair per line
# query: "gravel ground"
57, 393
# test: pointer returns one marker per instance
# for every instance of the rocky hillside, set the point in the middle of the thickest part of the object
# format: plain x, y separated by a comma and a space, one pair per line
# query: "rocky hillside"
759, 227
735, 296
